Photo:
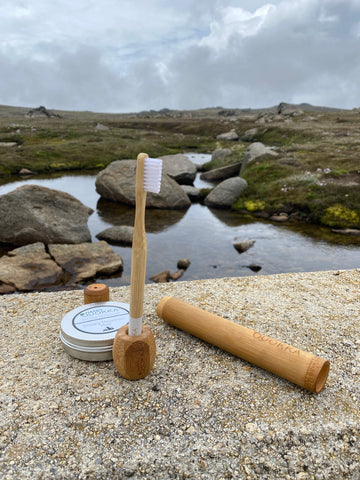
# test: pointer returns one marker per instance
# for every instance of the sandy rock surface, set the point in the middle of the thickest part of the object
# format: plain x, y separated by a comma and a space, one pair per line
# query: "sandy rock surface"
200, 413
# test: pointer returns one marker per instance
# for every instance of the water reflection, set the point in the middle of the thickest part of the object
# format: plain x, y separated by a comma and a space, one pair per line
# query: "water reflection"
230, 218
315, 232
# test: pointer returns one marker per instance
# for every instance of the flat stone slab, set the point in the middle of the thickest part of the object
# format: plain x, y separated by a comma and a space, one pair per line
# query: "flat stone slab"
86, 260
222, 173
32, 267
201, 412
8, 144
29, 268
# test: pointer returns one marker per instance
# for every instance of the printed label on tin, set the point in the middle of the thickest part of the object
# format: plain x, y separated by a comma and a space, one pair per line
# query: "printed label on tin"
102, 319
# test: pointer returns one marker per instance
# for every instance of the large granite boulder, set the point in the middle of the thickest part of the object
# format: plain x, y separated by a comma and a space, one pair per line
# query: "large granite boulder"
32, 214
254, 152
226, 193
117, 183
41, 112
180, 168
28, 268
86, 260
289, 109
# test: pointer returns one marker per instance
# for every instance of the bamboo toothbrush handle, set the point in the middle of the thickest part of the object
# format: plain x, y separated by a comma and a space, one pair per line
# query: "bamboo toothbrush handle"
297, 366
139, 246
134, 347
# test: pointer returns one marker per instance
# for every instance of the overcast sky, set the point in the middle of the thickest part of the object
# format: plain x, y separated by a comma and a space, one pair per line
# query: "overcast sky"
132, 55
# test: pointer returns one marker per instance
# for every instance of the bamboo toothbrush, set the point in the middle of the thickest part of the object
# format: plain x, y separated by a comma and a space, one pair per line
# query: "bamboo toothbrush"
134, 344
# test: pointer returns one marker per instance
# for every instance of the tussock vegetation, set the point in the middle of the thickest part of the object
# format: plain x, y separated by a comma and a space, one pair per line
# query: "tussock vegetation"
316, 175
72, 141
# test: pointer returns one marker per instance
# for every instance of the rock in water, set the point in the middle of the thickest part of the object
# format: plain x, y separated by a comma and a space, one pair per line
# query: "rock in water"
243, 245
32, 214
183, 263
117, 183
193, 193
161, 277
226, 193
117, 235
221, 173
177, 275
180, 168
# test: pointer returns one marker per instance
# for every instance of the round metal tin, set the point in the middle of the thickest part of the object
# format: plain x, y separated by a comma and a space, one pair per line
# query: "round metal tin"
88, 332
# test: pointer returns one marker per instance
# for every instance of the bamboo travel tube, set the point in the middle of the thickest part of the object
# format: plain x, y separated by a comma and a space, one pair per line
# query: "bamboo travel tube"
302, 368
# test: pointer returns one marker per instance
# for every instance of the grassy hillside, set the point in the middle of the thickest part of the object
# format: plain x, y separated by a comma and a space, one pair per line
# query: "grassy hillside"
316, 175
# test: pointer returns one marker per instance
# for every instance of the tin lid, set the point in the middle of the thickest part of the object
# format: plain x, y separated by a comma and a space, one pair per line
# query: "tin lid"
88, 331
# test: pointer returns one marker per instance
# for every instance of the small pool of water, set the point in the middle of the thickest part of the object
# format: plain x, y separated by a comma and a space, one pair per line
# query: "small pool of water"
206, 236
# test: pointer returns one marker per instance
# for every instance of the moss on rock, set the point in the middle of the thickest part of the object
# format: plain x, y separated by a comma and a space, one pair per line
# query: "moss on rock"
340, 216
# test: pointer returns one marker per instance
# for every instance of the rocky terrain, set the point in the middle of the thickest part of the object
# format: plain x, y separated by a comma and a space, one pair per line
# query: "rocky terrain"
287, 163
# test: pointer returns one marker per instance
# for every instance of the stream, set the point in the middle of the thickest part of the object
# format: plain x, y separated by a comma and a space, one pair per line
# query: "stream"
206, 236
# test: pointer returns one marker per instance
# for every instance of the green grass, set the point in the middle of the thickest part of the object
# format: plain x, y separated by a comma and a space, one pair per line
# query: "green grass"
280, 136
51, 143
316, 174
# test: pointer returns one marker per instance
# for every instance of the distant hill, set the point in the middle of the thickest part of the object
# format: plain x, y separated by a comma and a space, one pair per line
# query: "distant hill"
306, 107
6, 110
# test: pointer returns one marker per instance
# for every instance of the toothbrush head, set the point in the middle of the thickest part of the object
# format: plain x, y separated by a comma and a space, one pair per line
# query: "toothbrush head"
152, 174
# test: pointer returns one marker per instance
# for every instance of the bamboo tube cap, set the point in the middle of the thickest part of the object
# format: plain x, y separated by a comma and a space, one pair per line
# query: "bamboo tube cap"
317, 374
96, 292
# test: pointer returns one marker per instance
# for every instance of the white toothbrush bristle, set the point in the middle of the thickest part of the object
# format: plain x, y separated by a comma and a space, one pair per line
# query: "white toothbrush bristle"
152, 174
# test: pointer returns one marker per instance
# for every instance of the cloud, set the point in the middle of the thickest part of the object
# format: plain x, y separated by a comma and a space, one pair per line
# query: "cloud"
295, 51
235, 21
72, 81
155, 54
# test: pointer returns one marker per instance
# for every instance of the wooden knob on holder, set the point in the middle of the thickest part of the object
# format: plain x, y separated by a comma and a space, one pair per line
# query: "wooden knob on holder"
96, 292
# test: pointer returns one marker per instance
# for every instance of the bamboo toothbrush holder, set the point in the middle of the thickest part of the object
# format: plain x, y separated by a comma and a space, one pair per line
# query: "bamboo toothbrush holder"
134, 357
